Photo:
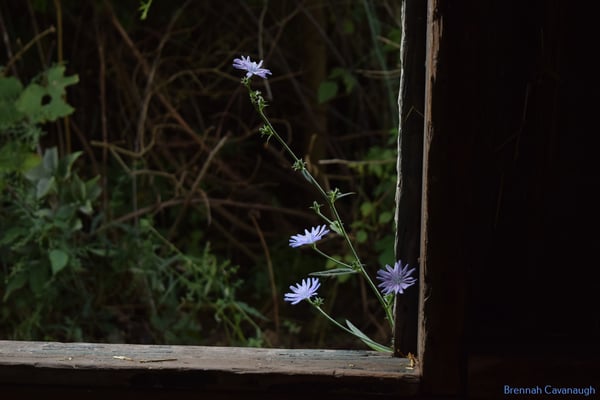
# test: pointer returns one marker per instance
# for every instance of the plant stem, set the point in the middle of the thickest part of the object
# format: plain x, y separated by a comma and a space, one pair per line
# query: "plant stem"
335, 260
331, 319
330, 202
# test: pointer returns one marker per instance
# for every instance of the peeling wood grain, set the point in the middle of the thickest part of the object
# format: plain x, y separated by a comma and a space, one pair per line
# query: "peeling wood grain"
214, 368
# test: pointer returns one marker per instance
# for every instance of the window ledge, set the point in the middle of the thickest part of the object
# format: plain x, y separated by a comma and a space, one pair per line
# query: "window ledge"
207, 369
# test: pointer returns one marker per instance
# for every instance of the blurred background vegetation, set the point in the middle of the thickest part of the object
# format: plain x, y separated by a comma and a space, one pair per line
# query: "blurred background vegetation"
138, 202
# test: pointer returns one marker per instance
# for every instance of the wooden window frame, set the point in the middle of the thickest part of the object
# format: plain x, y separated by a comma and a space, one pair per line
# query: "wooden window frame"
41, 367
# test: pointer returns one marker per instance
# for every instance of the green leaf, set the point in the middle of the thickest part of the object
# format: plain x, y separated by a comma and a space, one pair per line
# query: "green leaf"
327, 91
385, 217
334, 272
65, 165
45, 186
15, 282
335, 226
366, 208
346, 77
361, 236
16, 157
12, 234
92, 188
367, 340
30, 102
50, 160
86, 208
58, 260
102, 251
42, 103
340, 195
10, 89
250, 310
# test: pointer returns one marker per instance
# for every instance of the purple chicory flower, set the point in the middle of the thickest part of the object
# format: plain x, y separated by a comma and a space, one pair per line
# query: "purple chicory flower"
303, 291
251, 67
315, 234
396, 279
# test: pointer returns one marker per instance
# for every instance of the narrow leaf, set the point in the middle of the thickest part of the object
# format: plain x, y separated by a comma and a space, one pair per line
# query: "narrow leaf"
367, 340
334, 272
335, 227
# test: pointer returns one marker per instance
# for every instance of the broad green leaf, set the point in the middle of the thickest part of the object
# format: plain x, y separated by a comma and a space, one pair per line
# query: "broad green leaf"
16, 157
76, 225
65, 212
15, 282
345, 76
45, 186
65, 165
92, 188
30, 102
58, 260
86, 208
37, 172
366, 208
50, 160
42, 103
361, 236
385, 217
11, 234
327, 91
30, 161
10, 89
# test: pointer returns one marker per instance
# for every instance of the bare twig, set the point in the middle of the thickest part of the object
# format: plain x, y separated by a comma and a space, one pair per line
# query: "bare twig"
20, 53
195, 185
274, 295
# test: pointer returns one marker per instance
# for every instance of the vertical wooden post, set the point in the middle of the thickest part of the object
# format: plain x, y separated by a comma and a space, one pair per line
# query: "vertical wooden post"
409, 166
446, 160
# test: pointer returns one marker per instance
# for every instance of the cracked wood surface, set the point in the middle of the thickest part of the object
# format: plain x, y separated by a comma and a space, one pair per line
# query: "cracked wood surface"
206, 368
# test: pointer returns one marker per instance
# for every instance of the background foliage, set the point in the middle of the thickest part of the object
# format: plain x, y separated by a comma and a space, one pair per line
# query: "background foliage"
140, 205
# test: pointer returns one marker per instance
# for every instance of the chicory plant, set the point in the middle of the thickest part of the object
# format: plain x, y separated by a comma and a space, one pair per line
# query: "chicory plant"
393, 280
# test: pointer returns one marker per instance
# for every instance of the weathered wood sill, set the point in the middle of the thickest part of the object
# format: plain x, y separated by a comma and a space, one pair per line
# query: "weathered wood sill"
148, 369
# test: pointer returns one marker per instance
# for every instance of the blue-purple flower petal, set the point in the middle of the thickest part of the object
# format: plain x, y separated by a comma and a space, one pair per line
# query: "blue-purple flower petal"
251, 67
395, 280
316, 233
303, 291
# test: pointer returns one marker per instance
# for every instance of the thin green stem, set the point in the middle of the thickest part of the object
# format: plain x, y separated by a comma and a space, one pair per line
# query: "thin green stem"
329, 318
335, 260
258, 103
364, 338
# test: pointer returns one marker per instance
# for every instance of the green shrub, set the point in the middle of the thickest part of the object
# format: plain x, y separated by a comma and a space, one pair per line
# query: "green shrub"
67, 274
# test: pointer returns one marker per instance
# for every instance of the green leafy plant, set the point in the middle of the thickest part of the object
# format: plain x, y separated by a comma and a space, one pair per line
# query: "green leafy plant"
67, 273
22, 110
